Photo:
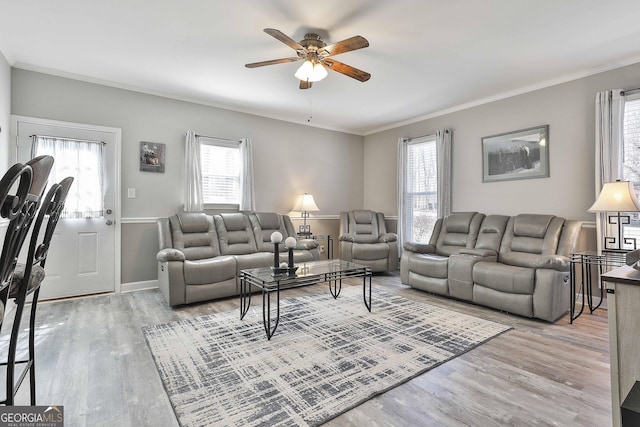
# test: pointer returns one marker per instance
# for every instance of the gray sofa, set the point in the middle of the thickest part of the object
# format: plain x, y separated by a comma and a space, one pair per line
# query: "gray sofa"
516, 264
201, 255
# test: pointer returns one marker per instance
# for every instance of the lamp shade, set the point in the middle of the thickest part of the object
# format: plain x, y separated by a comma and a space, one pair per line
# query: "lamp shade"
311, 71
305, 203
616, 196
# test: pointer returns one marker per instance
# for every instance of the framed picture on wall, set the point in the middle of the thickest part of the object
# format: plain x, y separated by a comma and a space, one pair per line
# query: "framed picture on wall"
521, 154
151, 157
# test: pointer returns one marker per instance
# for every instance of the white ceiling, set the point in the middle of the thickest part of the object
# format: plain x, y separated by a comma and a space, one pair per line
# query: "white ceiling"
425, 56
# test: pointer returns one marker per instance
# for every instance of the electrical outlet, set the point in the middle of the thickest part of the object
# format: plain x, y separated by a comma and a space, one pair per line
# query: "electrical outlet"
131, 193
321, 249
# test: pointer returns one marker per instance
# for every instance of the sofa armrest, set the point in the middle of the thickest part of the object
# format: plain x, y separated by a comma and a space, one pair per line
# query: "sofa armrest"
553, 262
484, 253
421, 248
387, 238
347, 237
170, 254
307, 244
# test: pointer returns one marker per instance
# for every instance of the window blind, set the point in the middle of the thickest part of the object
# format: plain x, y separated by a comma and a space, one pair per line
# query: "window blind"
220, 173
421, 189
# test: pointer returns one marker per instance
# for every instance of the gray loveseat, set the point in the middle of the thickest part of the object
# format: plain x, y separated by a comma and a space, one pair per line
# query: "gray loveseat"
517, 264
201, 255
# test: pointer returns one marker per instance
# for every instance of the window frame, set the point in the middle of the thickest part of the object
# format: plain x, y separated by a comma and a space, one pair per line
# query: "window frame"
226, 144
409, 220
632, 229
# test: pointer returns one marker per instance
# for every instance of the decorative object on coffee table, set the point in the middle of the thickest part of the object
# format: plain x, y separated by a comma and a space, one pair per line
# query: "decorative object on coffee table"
276, 239
290, 244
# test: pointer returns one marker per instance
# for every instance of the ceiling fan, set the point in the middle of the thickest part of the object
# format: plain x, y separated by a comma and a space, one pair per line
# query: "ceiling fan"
317, 55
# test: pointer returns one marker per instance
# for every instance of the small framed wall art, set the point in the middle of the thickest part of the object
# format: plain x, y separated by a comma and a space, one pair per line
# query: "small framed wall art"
521, 154
152, 157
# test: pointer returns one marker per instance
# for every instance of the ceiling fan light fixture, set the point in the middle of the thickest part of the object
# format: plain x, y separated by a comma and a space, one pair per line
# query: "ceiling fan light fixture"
311, 72
305, 71
319, 72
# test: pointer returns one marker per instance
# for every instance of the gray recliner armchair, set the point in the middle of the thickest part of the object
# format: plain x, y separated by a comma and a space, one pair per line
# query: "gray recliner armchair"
364, 240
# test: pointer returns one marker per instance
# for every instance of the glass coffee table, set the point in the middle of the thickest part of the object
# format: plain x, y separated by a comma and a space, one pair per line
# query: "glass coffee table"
308, 273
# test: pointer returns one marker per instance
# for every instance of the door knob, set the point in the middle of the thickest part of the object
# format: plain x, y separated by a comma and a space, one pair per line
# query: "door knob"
109, 222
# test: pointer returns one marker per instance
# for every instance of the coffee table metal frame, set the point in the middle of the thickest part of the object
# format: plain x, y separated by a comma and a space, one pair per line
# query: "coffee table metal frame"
308, 273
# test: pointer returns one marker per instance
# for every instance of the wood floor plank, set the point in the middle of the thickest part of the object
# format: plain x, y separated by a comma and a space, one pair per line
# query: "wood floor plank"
92, 358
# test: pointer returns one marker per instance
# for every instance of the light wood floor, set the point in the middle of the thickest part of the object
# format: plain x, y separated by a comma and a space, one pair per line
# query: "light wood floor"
92, 358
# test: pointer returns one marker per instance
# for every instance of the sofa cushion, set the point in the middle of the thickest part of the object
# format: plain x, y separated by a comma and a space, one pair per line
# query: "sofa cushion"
235, 234
458, 230
504, 278
430, 265
520, 249
193, 222
264, 225
196, 242
212, 270
530, 225
491, 232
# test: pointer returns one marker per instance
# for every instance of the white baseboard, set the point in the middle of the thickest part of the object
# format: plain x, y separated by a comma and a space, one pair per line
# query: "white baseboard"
138, 286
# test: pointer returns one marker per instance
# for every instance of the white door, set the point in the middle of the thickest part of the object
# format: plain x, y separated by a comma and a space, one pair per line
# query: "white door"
83, 257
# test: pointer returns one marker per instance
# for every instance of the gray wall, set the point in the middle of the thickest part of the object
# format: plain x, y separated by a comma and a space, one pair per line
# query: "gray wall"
569, 111
5, 112
289, 159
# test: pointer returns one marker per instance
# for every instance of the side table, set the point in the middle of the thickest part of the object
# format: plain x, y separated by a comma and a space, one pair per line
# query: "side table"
586, 261
323, 237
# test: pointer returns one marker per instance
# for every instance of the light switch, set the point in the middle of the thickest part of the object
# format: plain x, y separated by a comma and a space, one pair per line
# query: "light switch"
131, 193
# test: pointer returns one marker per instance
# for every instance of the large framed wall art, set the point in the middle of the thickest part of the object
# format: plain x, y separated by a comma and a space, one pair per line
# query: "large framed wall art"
521, 154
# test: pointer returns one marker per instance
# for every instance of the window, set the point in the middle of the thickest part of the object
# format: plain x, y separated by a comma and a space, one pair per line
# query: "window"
420, 189
82, 160
631, 158
220, 164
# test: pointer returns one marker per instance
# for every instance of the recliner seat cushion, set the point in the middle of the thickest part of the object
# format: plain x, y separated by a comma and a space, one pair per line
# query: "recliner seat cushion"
212, 270
429, 265
504, 278
370, 251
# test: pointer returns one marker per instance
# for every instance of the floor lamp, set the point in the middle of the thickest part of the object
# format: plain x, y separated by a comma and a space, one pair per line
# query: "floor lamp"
617, 197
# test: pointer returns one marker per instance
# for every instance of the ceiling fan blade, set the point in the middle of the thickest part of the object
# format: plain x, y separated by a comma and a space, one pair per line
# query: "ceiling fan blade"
354, 43
272, 62
305, 84
279, 35
347, 70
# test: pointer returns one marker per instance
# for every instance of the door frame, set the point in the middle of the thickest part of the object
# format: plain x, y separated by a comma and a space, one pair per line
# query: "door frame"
117, 132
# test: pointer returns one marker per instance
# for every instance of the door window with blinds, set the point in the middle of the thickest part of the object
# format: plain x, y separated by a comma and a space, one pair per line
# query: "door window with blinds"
631, 158
420, 189
220, 163
82, 160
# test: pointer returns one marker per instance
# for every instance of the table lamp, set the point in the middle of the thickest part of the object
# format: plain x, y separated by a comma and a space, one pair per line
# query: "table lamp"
617, 197
305, 204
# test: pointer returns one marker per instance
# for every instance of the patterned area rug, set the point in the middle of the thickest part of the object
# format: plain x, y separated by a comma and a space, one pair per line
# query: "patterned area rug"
326, 357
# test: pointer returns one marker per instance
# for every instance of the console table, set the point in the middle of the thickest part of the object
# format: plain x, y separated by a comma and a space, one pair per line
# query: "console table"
585, 262
320, 237
623, 295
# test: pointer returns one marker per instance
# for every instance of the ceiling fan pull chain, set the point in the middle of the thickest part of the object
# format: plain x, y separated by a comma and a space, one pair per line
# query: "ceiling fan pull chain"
310, 107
